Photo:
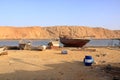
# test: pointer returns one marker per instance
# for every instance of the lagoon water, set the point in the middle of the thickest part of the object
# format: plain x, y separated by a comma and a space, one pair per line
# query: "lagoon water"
94, 42
16, 42
103, 42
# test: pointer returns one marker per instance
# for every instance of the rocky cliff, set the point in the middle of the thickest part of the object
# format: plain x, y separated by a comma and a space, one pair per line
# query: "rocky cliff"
38, 32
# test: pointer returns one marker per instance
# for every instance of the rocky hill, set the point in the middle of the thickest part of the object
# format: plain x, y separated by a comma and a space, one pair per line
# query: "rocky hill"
82, 31
37, 32
23, 33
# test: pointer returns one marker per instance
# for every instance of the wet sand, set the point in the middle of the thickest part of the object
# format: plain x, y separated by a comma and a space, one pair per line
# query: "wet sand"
52, 65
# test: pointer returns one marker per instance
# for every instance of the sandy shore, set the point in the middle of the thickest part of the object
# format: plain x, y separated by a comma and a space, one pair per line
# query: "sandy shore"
52, 65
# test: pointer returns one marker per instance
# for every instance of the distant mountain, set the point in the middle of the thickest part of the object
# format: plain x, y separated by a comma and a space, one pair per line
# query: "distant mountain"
37, 32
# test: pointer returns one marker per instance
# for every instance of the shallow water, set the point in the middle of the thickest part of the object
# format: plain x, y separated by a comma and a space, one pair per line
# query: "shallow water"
106, 42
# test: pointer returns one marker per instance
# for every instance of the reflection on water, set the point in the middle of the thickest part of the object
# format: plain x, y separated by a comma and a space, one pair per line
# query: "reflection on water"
106, 42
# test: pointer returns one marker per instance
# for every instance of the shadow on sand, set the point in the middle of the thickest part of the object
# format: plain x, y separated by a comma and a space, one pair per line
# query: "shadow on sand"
62, 71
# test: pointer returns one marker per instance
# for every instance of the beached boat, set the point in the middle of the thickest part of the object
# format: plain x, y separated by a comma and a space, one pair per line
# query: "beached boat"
73, 42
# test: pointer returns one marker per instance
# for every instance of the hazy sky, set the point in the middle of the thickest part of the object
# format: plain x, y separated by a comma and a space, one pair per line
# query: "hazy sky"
93, 13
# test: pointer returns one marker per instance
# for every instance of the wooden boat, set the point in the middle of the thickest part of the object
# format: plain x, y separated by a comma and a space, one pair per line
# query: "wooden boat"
73, 42
3, 51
